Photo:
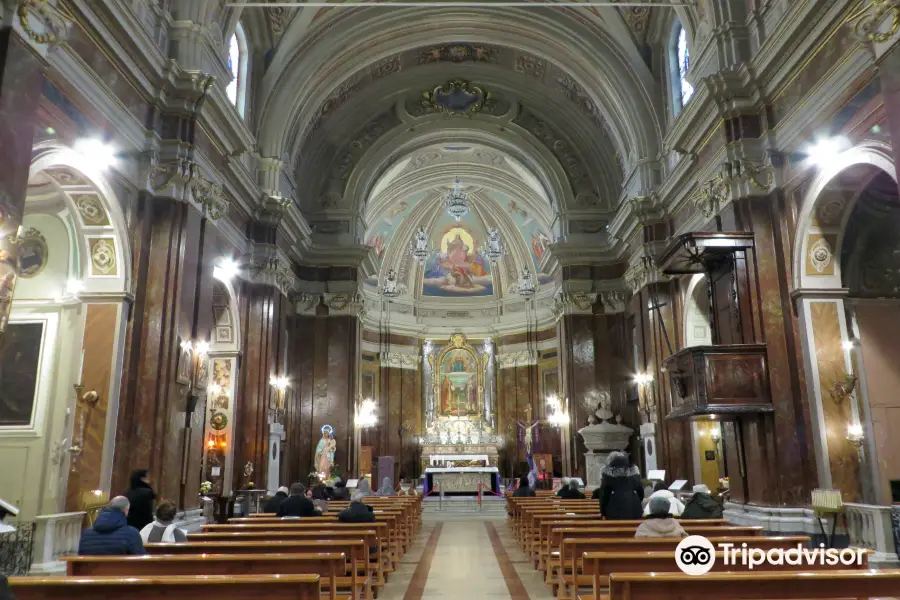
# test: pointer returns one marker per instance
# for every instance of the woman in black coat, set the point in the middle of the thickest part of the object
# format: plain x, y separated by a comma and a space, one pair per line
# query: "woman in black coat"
621, 491
140, 497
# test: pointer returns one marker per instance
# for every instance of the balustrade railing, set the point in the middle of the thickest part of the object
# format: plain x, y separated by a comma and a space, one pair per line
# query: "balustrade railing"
869, 526
57, 535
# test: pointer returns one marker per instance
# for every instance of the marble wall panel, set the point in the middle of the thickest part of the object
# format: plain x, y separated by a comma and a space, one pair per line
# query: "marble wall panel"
890, 90
879, 339
99, 347
829, 357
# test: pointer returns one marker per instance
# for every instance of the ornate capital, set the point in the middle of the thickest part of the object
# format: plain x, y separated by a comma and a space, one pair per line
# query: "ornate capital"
613, 301
271, 209
578, 302
344, 303
209, 195
643, 273
268, 267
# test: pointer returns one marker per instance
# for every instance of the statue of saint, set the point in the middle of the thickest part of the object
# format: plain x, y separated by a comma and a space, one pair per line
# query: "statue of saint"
324, 459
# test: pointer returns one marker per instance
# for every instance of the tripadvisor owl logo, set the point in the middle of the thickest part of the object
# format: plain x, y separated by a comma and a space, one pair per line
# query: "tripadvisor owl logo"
696, 555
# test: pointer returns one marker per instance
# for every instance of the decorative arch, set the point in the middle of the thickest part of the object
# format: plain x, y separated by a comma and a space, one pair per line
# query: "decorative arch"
824, 212
696, 319
100, 224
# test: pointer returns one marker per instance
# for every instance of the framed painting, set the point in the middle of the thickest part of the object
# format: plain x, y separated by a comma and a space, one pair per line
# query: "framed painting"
19, 369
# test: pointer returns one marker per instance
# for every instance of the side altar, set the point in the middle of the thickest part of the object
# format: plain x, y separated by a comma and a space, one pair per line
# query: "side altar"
459, 449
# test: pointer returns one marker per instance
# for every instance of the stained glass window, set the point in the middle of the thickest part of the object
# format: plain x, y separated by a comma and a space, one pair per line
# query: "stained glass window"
687, 90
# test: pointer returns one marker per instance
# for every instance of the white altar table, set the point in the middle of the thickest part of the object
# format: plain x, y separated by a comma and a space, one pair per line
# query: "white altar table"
442, 458
461, 479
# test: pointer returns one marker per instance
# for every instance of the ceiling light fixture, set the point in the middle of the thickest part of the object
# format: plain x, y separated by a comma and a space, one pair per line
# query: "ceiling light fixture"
391, 288
493, 249
100, 154
826, 150
525, 286
457, 201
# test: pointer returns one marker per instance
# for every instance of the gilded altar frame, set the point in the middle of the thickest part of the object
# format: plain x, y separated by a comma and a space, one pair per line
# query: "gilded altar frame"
458, 341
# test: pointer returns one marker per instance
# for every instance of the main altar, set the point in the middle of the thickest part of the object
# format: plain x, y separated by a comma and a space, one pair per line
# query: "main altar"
459, 449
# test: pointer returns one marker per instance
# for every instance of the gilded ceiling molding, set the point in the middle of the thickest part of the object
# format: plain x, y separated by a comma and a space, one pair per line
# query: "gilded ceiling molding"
209, 195
52, 24
457, 97
876, 21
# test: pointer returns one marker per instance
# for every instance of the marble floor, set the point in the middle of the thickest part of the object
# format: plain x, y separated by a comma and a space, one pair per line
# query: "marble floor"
467, 556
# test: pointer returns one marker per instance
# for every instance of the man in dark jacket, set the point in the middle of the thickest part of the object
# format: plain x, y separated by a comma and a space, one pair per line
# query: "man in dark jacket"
702, 505
357, 512
111, 534
621, 491
297, 504
524, 490
140, 496
340, 491
275, 501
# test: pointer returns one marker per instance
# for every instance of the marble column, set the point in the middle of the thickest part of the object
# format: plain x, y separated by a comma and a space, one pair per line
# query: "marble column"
276, 440
21, 76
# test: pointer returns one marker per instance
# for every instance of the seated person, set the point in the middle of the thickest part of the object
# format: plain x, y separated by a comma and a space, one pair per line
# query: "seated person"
340, 491
570, 491
297, 504
564, 490
660, 523
275, 501
676, 507
163, 529
357, 512
111, 534
524, 490
702, 505
320, 497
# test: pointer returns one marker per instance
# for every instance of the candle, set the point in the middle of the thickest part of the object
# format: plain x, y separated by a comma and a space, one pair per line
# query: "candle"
80, 368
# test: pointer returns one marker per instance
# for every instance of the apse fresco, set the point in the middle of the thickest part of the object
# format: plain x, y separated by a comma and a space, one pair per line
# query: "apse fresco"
380, 233
455, 269
535, 235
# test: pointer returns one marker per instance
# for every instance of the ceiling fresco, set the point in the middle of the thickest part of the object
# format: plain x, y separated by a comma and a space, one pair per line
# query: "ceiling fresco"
455, 268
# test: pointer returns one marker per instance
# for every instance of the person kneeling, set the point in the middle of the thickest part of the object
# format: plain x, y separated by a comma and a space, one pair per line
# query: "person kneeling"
163, 529
660, 523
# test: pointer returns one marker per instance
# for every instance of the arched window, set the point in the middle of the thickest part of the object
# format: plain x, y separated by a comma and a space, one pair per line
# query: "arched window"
237, 63
679, 62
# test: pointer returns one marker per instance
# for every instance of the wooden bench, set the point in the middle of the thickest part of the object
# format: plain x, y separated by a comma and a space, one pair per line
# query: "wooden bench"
570, 571
329, 566
230, 587
783, 585
355, 549
601, 565
368, 531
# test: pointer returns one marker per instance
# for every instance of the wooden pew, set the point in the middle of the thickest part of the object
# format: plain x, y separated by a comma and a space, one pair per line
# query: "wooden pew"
570, 571
601, 565
784, 585
355, 549
368, 531
329, 566
230, 587
558, 534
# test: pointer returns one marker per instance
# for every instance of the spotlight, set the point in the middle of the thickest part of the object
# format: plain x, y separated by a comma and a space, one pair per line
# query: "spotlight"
847, 345
201, 348
98, 152
825, 150
226, 270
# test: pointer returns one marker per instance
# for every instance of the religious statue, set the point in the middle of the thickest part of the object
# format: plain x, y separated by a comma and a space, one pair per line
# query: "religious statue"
390, 284
527, 436
324, 459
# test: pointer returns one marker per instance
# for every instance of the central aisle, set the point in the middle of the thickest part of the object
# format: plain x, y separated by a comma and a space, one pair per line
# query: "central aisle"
465, 557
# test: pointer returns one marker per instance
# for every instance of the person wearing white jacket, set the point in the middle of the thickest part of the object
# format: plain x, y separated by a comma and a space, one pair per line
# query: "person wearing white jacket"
675, 505
163, 529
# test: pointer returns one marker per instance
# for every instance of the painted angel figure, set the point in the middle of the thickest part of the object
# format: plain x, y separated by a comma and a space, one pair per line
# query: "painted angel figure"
528, 436
421, 239
324, 459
